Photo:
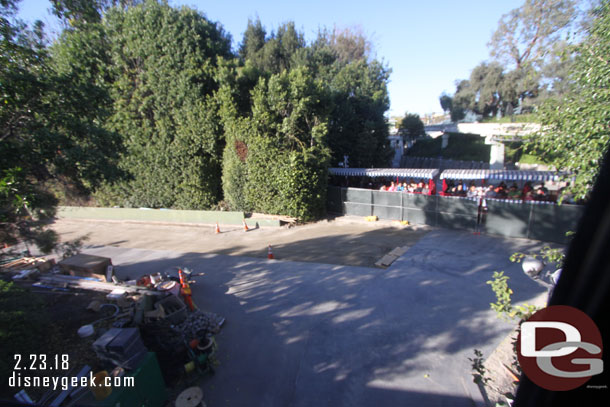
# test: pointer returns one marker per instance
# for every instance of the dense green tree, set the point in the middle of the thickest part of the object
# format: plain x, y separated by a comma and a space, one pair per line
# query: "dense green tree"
575, 134
162, 79
483, 92
81, 98
358, 127
461, 100
272, 54
254, 40
411, 127
446, 102
276, 159
344, 101
49, 132
75, 12
490, 89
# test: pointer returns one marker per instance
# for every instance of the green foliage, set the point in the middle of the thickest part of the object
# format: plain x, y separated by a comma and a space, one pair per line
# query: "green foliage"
358, 127
459, 147
427, 148
276, 160
161, 70
547, 254
503, 305
515, 153
479, 373
289, 109
411, 127
575, 134
499, 285
446, 102
532, 52
482, 93
143, 104
273, 54
49, 130
520, 118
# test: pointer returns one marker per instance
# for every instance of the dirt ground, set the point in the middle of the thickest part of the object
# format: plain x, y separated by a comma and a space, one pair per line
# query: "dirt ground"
345, 241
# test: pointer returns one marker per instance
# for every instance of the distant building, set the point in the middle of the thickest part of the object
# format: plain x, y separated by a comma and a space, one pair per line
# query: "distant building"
435, 118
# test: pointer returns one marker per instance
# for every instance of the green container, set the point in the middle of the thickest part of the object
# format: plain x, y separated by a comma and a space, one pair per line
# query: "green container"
148, 390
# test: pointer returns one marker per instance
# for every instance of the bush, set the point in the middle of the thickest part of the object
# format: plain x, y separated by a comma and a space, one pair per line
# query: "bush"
276, 159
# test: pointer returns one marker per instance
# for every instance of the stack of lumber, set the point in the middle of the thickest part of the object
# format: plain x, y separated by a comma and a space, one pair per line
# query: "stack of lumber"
24, 263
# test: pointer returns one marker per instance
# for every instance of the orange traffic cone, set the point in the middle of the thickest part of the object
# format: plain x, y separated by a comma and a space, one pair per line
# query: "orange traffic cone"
270, 253
245, 226
185, 291
217, 230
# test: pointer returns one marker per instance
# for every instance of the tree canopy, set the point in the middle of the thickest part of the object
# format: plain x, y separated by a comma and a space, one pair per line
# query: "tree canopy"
531, 52
411, 127
161, 76
50, 133
575, 133
138, 103
526, 34
342, 114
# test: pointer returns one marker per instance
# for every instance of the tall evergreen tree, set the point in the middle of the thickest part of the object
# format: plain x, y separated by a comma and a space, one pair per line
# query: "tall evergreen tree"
163, 64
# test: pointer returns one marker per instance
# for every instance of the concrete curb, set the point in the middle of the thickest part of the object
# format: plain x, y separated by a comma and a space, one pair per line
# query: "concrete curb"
161, 215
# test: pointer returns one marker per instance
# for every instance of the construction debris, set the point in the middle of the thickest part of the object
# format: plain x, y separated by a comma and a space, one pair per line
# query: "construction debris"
87, 265
85, 283
149, 315
24, 263
197, 323
25, 274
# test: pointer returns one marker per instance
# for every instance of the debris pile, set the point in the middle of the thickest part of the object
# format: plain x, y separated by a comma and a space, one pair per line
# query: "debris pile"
199, 321
149, 327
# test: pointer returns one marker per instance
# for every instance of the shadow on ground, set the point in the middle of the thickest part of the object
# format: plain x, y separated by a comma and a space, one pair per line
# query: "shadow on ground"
306, 334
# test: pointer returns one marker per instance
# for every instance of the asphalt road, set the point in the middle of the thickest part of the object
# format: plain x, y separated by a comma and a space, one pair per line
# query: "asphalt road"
311, 334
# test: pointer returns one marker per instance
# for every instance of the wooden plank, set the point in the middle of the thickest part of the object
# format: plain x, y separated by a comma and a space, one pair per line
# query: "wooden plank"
385, 261
94, 285
388, 259
399, 251
395, 252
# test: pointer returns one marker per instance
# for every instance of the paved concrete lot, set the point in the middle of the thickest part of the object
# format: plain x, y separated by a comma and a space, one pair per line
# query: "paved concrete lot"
346, 240
309, 334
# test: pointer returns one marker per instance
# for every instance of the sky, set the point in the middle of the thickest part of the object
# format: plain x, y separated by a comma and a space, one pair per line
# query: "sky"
428, 44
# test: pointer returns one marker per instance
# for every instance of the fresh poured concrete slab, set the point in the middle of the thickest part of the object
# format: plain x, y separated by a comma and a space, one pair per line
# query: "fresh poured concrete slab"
310, 334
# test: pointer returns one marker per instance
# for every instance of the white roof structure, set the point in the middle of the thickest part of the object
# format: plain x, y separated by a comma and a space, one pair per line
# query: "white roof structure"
386, 172
504, 175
